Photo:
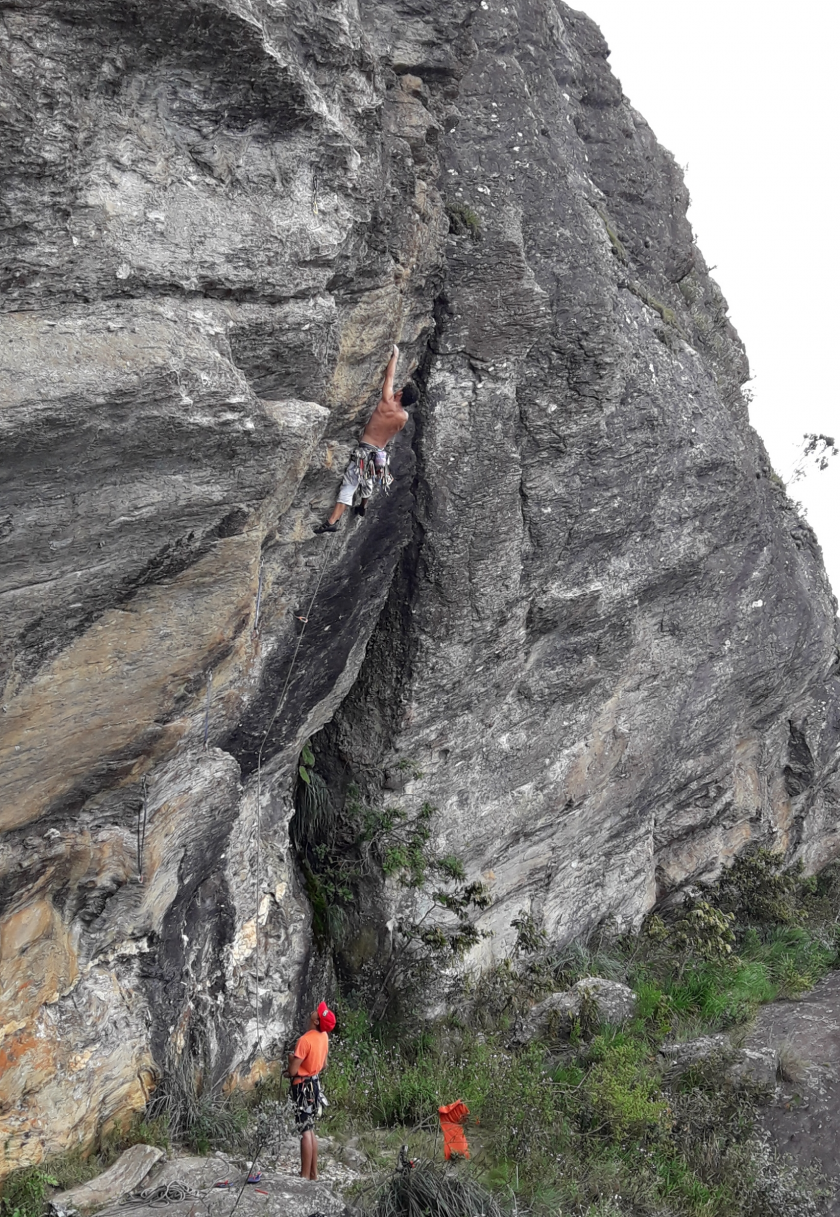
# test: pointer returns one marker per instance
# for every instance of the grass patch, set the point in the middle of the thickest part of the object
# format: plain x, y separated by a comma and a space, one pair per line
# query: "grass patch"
418, 1187
25, 1192
598, 1126
667, 314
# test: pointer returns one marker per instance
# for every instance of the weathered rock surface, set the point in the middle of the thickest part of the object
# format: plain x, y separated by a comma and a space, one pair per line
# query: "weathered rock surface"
586, 612
127, 1173
279, 1194
552, 1018
611, 648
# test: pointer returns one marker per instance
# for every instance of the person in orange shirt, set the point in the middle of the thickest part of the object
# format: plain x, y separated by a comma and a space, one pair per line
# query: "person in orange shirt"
305, 1065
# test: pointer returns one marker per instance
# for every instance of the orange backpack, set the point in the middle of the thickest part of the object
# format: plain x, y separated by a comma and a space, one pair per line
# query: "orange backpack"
452, 1118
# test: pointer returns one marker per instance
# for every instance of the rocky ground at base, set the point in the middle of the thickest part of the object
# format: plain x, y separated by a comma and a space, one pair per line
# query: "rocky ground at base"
185, 1186
803, 1120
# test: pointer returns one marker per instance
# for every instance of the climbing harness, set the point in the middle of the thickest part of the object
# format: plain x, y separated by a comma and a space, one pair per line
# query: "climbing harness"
373, 466
308, 1101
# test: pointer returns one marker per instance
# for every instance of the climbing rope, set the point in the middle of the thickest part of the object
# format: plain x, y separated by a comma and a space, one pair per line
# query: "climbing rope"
207, 708
259, 599
142, 817
281, 702
162, 1195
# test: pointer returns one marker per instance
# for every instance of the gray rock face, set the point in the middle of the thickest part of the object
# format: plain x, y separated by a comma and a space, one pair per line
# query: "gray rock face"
610, 648
586, 612
552, 1018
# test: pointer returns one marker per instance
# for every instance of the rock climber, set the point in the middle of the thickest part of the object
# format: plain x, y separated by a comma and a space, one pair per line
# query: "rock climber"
368, 465
305, 1065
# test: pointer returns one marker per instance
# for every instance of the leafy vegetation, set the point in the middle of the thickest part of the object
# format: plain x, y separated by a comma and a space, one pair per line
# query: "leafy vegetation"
25, 1192
592, 1124
597, 1124
341, 848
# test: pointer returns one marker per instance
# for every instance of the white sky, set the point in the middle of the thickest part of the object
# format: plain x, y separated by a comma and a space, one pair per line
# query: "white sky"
746, 95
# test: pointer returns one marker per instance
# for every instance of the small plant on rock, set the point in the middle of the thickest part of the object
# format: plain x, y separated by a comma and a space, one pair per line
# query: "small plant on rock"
463, 221
426, 1189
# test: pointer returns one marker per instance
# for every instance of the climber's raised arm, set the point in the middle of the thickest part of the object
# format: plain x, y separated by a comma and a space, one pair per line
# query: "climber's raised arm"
368, 467
388, 387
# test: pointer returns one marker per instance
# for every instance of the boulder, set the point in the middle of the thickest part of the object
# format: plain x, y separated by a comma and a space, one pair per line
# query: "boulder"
553, 1018
756, 1065
276, 1195
127, 1173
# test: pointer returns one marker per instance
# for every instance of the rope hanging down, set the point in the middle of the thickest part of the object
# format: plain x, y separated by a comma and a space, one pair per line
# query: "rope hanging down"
282, 701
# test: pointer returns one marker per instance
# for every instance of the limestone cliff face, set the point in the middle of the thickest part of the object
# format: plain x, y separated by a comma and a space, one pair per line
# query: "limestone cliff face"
586, 611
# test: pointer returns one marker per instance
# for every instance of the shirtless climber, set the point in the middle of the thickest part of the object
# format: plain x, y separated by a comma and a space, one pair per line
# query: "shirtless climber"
368, 466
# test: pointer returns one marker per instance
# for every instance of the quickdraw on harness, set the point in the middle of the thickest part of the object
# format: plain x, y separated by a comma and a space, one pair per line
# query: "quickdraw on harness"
308, 1097
374, 468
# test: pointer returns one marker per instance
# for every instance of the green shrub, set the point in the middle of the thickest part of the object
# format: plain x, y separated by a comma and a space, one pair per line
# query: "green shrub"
24, 1193
622, 1089
593, 1126
428, 1189
757, 889
703, 931
343, 848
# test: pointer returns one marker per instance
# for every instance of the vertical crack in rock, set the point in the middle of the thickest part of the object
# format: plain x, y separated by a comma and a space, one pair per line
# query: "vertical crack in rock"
800, 769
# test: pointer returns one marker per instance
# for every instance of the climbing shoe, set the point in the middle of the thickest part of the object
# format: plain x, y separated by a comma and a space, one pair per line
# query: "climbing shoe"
325, 528
359, 509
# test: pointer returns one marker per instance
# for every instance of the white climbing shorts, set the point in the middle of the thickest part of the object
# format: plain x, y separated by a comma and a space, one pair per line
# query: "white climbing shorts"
350, 483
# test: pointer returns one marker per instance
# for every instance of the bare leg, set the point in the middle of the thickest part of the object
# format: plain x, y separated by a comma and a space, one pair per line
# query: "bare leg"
306, 1142
313, 1168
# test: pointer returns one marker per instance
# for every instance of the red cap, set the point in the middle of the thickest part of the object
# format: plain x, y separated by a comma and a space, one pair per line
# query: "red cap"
326, 1018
